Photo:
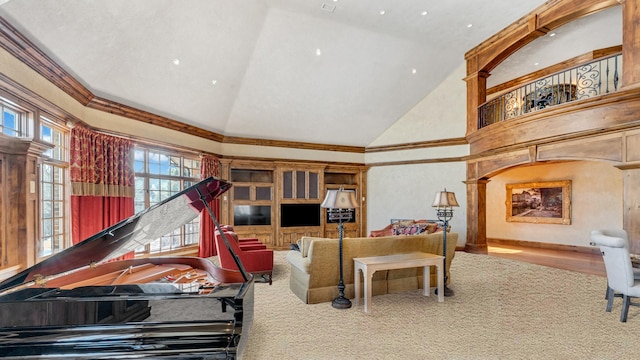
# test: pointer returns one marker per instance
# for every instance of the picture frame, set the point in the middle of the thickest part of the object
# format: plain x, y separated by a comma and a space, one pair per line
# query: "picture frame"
546, 202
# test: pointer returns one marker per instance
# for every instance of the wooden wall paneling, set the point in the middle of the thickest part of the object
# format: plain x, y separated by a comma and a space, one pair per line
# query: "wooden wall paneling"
4, 233
490, 166
630, 42
476, 95
632, 146
537, 23
631, 203
224, 200
476, 216
577, 119
604, 148
559, 13
362, 175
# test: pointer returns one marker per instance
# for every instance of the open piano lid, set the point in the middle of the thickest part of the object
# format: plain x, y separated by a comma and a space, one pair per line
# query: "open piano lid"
129, 234
188, 309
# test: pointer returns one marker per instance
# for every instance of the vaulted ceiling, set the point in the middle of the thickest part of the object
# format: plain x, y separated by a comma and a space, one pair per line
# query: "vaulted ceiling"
291, 70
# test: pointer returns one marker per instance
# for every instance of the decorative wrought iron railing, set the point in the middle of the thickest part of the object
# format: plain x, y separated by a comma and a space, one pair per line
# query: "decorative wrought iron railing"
598, 77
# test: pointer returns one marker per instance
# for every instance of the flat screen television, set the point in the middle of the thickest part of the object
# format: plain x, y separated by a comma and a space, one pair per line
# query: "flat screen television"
251, 215
299, 215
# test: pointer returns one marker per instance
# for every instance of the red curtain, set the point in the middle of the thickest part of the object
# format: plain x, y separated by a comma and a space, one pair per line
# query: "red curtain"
209, 166
102, 180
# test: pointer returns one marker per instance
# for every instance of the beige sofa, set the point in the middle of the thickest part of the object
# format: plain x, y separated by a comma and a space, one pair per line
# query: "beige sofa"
315, 269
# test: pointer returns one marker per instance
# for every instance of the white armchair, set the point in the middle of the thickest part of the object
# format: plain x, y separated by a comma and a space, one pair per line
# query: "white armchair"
621, 277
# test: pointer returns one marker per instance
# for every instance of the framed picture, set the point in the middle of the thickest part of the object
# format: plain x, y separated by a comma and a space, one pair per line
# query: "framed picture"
546, 202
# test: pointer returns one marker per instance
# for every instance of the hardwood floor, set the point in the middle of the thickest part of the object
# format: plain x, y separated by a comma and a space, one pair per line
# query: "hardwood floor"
589, 263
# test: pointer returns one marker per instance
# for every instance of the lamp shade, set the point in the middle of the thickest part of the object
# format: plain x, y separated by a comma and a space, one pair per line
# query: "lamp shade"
445, 199
340, 199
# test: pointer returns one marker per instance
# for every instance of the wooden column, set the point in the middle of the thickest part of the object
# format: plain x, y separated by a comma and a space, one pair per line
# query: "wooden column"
225, 208
476, 216
19, 163
630, 43
476, 95
631, 203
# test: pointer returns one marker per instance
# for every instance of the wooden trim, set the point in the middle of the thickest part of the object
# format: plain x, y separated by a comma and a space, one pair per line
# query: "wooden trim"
149, 118
538, 22
25, 51
333, 164
541, 245
557, 68
418, 145
422, 161
292, 144
28, 53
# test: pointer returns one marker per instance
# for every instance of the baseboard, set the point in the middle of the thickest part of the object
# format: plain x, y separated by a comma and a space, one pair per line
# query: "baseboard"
541, 245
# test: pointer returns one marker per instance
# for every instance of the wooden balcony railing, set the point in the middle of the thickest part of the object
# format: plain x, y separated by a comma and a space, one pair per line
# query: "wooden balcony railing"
597, 77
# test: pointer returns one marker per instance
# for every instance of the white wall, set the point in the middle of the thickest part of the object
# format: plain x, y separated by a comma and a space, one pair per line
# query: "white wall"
407, 191
596, 202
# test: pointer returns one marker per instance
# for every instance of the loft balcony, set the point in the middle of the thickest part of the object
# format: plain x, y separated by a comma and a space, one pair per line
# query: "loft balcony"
594, 78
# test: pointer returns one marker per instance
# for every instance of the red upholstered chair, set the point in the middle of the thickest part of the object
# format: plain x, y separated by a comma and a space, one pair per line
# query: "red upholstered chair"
258, 262
245, 243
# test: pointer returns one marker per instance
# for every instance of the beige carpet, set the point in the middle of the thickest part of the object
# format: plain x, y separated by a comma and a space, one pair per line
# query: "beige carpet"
502, 309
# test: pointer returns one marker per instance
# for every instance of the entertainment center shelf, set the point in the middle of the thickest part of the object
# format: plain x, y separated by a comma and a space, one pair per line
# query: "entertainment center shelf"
279, 202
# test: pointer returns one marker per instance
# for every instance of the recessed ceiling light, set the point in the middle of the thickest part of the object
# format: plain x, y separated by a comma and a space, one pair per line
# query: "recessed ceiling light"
318, 52
413, 71
536, 64
552, 34
214, 82
424, 13
469, 25
176, 61
382, 12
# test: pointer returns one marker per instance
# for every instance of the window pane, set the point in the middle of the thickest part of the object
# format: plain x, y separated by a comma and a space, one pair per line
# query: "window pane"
165, 175
313, 185
138, 161
301, 179
47, 210
47, 191
58, 209
53, 236
47, 173
174, 166
263, 193
287, 184
241, 193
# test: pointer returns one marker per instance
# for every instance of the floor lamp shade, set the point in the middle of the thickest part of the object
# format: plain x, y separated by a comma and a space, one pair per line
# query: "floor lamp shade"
445, 199
340, 199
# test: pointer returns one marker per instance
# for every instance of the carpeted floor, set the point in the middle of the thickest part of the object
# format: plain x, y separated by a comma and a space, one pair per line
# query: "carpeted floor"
502, 309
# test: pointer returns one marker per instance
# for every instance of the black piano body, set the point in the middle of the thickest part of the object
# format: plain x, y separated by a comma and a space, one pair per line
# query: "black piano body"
79, 304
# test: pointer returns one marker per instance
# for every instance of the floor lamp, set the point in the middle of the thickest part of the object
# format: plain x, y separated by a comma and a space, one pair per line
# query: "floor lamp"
339, 204
444, 203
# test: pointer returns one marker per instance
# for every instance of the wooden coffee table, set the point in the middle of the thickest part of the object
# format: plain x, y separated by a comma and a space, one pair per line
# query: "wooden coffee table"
369, 265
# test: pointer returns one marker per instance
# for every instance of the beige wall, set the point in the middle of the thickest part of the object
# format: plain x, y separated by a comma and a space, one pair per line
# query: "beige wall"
596, 202
407, 191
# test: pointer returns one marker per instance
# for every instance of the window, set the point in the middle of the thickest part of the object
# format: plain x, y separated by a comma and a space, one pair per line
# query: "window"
54, 219
13, 122
159, 175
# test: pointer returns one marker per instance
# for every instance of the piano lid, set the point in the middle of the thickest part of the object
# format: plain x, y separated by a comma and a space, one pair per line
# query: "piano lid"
128, 234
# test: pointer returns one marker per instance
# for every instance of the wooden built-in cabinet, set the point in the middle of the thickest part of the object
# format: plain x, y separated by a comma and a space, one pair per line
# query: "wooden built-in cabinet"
19, 161
279, 202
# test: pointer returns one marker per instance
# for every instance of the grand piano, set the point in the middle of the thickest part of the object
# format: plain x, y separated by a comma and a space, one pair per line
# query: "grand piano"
82, 304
